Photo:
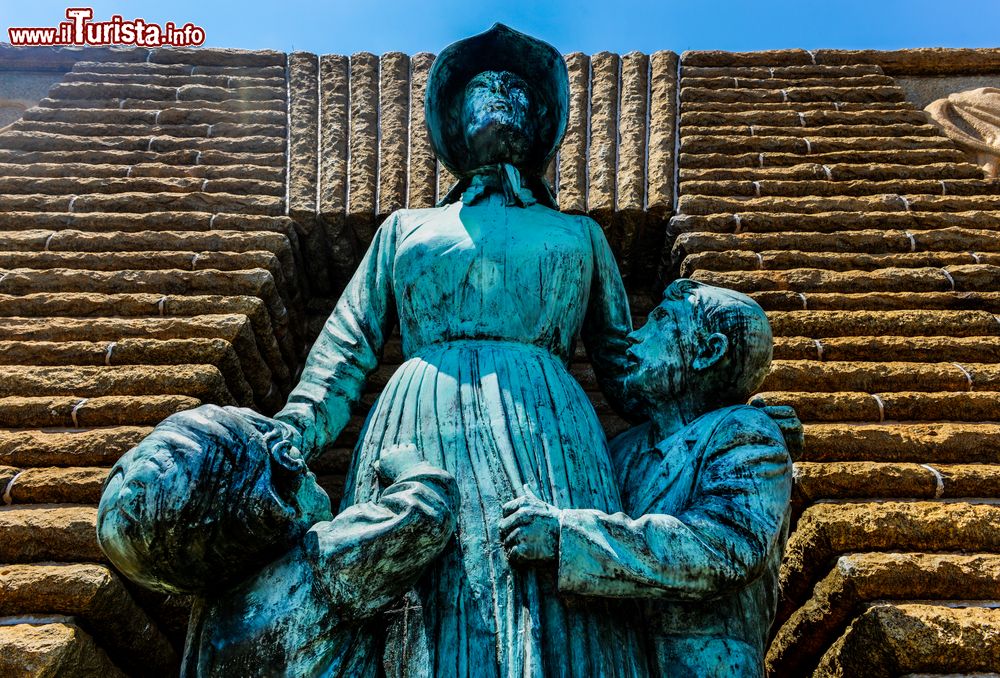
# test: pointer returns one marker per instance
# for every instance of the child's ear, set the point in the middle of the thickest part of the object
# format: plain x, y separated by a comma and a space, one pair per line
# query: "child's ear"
711, 351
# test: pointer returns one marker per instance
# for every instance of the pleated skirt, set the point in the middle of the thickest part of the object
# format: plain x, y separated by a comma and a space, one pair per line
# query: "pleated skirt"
501, 417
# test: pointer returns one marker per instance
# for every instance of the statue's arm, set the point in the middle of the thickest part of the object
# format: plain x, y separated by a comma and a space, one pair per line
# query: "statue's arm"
347, 350
608, 321
373, 552
719, 542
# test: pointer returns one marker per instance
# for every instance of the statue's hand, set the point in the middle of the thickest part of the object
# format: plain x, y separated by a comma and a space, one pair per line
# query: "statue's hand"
791, 427
530, 531
396, 461
276, 432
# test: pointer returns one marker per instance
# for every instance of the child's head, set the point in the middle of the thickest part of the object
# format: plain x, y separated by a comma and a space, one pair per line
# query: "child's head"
202, 501
705, 344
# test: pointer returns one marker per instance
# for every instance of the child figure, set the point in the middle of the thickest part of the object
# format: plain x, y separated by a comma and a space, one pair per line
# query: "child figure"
705, 483
283, 587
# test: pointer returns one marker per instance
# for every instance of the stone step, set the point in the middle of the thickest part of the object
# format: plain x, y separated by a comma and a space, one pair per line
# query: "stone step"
186, 226
918, 349
46, 141
815, 145
57, 485
862, 578
832, 80
844, 131
828, 530
871, 241
775, 260
217, 352
846, 222
215, 57
132, 202
126, 103
257, 283
698, 204
689, 105
184, 222
203, 382
880, 301
973, 278
879, 407
815, 481
154, 260
800, 71
917, 640
162, 116
127, 340
55, 532
177, 69
83, 171
879, 377
68, 411
836, 172
237, 82
812, 118
97, 597
116, 157
73, 91
937, 442
164, 317
275, 244
829, 93
49, 648
778, 188
912, 156
26, 448
207, 131
104, 185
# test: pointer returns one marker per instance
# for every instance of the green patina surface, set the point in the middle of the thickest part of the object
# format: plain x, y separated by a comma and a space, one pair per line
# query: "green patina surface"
488, 528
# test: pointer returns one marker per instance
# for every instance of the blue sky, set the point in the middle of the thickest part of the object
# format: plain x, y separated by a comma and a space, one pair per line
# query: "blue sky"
347, 26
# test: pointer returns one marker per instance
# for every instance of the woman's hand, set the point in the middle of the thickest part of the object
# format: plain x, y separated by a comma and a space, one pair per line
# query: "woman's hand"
276, 432
530, 530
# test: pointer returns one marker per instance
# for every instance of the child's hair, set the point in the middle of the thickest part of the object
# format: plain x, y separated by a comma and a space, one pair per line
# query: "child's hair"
745, 325
210, 516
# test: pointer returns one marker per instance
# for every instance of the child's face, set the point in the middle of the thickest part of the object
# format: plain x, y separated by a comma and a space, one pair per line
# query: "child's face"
189, 475
662, 349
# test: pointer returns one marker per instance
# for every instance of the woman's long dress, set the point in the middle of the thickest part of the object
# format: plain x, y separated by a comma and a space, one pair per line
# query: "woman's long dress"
490, 301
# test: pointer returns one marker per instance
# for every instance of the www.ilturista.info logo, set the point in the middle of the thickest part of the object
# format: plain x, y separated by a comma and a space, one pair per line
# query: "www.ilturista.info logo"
80, 30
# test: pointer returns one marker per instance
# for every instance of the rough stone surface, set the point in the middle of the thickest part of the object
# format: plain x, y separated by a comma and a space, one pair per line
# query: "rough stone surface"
96, 596
303, 116
362, 170
52, 650
893, 640
394, 131
423, 163
573, 164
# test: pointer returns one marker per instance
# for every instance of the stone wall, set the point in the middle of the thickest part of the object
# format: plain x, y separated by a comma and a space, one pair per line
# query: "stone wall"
174, 224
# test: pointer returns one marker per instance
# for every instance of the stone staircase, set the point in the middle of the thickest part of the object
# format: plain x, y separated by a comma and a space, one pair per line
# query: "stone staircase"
813, 186
173, 230
147, 265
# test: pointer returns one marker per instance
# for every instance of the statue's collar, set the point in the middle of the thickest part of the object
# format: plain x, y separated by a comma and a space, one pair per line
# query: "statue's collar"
500, 179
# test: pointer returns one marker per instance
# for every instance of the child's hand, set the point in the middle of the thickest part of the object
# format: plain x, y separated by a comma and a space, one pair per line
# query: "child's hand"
396, 461
530, 530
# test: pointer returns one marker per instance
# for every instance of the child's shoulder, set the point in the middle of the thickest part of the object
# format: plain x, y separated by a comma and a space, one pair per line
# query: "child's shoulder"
743, 422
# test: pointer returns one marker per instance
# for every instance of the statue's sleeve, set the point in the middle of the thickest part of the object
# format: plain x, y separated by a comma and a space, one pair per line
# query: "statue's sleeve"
608, 321
373, 552
719, 542
348, 348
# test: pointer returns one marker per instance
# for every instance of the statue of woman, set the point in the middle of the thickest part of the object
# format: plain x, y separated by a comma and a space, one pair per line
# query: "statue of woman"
491, 290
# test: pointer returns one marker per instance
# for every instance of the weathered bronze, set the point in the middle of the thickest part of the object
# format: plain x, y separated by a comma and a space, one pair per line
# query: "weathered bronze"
421, 573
